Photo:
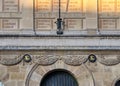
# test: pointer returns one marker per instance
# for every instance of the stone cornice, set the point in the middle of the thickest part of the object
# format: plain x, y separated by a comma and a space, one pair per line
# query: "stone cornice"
61, 43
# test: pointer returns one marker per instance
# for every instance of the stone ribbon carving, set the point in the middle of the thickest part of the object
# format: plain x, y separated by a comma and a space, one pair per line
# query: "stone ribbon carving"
109, 60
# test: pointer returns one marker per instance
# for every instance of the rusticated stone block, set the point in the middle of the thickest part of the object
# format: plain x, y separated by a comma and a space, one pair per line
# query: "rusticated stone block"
5, 77
20, 83
2, 72
33, 83
13, 69
17, 76
10, 83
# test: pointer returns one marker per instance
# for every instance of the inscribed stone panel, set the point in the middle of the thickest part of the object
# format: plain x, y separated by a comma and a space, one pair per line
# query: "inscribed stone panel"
10, 5
43, 5
108, 23
44, 24
10, 24
75, 6
55, 6
46, 11
74, 24
118, 6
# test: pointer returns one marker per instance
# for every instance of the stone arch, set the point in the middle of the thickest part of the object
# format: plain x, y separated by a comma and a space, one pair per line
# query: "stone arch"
115, 80
81, 73
59, 71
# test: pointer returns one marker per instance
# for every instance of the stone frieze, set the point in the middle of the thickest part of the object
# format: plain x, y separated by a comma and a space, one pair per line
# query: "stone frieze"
74, 60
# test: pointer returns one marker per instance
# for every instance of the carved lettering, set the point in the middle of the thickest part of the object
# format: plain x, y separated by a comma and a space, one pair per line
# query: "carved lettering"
64, 5
45, 10
118, 6
75, 6
10, 5
73, 24
107, 23
44, 24
43, 5
10, 23
107, 5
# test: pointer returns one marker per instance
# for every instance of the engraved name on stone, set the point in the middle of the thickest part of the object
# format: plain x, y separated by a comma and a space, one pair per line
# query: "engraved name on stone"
44, 24
63, 5
118, 6
74, 6
10, 5
43, 5
107, 23
10, 23
107, 5
74, 24
46, 11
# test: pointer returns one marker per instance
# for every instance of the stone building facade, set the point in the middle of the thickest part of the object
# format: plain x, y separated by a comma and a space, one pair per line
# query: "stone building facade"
88, 49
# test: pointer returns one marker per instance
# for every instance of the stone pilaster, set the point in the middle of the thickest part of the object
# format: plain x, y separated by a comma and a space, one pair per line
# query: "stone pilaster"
91, 16
27, 14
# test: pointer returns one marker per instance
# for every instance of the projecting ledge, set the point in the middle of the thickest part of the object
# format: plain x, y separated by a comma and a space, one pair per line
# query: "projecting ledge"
60, 43
59, 48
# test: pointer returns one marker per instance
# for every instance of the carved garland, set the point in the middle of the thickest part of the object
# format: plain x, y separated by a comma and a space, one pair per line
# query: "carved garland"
74, 60
106, 60
10, 61
44, 59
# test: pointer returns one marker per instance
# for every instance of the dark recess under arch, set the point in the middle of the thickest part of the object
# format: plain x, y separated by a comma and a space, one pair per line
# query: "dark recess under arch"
58, 78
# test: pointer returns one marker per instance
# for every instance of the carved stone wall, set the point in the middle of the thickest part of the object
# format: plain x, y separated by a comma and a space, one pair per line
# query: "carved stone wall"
16, 72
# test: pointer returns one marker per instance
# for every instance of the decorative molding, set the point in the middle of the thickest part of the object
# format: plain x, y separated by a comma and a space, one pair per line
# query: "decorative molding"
44, 59
115, 80
109, 60
10, 61
75, 60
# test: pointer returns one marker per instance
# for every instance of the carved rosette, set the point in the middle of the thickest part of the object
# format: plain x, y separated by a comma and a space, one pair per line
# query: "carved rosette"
109, 60
75, 60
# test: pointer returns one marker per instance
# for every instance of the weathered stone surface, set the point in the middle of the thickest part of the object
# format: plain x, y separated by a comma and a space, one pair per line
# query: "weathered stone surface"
2, 71
13, 68
17, 76
11, 83
5, 78
109, 60
34, 83
78, 66
75, 59
20, 83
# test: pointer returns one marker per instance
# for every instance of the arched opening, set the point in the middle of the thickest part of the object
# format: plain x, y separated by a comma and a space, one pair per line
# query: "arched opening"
117, 83
58, 78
